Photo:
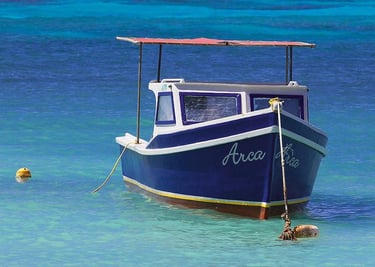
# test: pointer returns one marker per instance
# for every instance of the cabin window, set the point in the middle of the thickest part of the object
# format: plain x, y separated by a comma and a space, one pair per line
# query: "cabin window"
292, 104
165, 111
200, 107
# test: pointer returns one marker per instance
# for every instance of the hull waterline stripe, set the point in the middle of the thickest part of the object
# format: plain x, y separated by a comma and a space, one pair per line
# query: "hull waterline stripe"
212, 200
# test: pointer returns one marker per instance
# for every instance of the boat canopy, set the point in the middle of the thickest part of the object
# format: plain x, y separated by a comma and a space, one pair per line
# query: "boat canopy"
213, 42
140, 41
288, 45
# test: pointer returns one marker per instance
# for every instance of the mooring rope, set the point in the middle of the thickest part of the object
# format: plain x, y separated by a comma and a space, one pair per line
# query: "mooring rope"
288, 233
113, 169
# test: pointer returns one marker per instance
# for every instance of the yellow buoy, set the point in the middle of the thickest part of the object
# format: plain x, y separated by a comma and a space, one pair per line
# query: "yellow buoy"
308, 230
22, 175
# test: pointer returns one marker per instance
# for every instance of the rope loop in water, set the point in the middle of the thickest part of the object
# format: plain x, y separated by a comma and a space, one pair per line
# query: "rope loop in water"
113, 169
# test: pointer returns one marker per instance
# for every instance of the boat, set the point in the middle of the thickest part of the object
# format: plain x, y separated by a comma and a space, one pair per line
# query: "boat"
216, 145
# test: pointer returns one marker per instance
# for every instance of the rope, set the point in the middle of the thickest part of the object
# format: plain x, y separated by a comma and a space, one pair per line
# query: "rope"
287, 233
112, 171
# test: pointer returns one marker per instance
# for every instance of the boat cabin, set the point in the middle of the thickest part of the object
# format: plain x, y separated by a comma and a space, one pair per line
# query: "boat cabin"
180, 103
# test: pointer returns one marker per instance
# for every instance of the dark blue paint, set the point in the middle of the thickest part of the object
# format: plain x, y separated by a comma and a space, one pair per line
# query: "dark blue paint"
201, 173
233, 127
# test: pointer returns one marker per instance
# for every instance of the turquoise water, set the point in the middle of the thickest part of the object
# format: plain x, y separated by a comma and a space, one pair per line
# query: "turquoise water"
67, 88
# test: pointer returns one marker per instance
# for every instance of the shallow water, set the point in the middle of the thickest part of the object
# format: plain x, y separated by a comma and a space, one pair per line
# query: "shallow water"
67, 88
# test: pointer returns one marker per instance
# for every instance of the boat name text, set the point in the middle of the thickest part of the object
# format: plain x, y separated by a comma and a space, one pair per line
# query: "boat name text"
237, 157
289, 157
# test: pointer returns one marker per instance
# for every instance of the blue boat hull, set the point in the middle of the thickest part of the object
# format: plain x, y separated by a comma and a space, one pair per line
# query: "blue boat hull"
238, 175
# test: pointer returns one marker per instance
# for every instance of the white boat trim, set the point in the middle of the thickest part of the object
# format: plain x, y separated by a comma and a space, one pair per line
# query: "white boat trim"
141, 148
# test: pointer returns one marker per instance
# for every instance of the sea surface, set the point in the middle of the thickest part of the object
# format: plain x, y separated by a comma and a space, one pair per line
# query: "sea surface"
68, 88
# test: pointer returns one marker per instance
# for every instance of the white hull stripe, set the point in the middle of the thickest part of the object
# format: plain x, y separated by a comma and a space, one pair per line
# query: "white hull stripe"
213, 200
141, 149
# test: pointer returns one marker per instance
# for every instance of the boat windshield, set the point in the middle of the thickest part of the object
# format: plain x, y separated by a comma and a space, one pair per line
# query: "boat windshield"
200, 107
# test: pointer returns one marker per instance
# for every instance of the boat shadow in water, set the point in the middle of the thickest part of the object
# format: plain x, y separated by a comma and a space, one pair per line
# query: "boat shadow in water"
334, 207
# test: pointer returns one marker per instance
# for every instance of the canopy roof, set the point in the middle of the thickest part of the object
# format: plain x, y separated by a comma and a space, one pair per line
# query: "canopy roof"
213, 42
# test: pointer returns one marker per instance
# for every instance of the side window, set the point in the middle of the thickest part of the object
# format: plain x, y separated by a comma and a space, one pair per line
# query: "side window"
292, 104
165, 111
200, 107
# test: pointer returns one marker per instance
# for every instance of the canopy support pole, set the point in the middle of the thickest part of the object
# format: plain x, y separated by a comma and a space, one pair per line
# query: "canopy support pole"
286, 65
139, 92
290, 63
159, 63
